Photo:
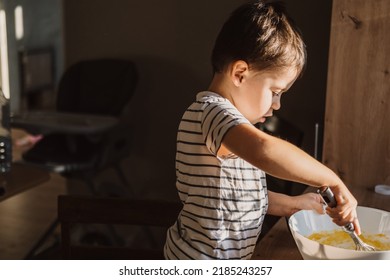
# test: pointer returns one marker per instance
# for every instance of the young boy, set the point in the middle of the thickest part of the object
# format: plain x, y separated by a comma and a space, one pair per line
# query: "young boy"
221, 157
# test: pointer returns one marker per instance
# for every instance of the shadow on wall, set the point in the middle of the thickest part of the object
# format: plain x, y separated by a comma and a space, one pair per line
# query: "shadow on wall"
164, 92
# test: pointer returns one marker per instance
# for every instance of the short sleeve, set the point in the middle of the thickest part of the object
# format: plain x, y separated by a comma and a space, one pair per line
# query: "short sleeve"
217, 118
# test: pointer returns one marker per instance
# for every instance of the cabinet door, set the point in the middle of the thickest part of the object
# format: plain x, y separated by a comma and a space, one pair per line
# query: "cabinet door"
357, 118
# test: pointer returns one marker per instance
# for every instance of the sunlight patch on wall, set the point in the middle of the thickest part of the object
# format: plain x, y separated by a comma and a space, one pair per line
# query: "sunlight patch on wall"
19, 28
4, 54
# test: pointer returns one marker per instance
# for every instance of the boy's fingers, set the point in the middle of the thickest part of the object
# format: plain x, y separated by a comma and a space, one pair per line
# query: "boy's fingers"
357, 226
320, 209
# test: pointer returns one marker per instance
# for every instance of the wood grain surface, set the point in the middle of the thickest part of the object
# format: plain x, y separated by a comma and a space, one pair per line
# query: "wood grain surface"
357, 120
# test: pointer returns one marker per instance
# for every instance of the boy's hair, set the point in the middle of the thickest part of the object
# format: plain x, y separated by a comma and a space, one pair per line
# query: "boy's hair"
261, 34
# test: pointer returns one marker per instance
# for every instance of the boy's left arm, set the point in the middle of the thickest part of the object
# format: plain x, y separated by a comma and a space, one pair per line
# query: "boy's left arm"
283, 205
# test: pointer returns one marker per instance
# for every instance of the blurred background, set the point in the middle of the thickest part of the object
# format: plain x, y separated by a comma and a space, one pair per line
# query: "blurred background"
170, 42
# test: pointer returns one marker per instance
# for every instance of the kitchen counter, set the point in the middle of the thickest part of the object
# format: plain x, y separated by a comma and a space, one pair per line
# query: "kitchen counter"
278, 243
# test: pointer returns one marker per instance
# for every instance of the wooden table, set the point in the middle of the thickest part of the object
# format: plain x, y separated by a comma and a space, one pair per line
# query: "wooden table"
21, 178
279, 244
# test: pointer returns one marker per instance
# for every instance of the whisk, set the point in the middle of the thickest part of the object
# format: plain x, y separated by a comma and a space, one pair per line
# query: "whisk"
329, 199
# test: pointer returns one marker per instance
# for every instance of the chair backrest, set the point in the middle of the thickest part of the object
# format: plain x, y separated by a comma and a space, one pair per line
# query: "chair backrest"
113, 211
101, 86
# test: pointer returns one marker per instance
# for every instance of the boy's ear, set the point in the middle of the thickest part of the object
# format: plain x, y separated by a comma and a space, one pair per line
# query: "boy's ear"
238, 72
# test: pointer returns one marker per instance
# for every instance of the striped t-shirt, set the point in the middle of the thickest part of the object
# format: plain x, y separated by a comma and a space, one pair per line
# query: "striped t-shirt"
225, 199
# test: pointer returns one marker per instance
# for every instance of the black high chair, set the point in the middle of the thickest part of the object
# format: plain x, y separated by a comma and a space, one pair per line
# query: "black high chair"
86, 134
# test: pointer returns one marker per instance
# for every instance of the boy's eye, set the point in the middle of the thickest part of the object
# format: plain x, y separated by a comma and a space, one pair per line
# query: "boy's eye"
276, 94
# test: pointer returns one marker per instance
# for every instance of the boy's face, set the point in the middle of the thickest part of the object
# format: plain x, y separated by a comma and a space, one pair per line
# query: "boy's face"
260, 92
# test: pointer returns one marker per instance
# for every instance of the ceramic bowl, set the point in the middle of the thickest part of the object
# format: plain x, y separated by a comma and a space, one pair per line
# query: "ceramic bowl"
304, 223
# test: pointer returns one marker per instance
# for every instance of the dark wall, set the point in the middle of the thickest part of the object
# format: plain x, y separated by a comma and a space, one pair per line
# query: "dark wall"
171, 42
304, 104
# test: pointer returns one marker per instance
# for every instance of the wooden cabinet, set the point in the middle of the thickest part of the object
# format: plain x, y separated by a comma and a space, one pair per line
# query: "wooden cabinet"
357, 118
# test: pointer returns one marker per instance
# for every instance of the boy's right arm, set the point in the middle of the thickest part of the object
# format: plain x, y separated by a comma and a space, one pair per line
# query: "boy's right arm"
284, 160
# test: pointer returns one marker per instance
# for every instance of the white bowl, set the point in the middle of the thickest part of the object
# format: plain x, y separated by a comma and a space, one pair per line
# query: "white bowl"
304, 223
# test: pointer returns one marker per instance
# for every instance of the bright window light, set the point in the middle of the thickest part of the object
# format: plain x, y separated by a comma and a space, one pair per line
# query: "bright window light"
19, 30
4, 54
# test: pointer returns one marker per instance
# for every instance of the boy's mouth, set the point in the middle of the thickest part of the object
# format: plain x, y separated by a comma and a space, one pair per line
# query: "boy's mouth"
262, 119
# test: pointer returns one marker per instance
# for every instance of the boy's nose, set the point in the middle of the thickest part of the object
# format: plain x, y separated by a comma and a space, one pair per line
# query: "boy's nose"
276, 103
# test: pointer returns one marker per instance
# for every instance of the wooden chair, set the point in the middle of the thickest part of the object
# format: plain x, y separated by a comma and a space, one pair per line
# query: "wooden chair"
74, 210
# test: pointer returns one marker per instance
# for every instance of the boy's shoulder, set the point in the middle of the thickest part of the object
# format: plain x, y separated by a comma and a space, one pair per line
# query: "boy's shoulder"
209, 97
208, 101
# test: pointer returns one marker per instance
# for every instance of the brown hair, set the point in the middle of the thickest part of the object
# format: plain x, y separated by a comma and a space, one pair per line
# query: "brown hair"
263, 35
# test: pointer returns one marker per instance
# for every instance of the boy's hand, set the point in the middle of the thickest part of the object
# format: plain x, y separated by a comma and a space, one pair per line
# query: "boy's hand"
310, 201
345, 211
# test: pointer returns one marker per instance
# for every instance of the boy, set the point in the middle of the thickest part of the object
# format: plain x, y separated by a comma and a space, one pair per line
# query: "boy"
221, 157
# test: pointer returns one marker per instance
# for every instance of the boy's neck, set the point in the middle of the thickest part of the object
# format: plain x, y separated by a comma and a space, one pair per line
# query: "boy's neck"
222, 85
